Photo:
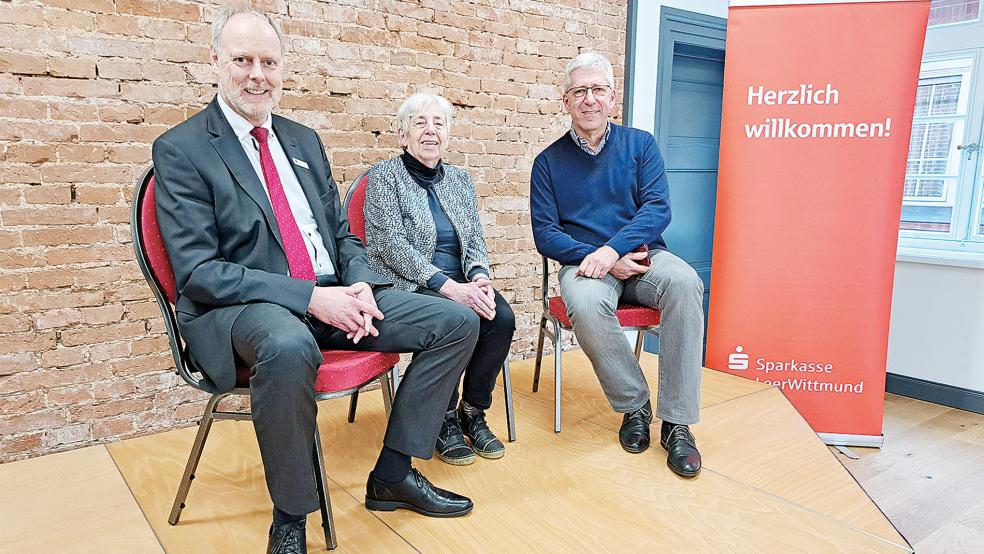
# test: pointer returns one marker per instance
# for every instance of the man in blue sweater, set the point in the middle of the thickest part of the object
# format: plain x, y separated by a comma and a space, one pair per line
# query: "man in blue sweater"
599, 204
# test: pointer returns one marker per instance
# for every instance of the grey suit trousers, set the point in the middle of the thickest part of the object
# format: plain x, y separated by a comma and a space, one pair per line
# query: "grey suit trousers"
284, 353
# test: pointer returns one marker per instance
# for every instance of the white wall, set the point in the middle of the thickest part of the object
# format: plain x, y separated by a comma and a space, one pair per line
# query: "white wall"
646, 50
937, 330
937, 326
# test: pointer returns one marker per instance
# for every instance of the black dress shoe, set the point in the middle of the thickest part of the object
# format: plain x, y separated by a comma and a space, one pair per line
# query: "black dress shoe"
681, 449
634, 433
483, 441
287, 538
415, 493
451, 447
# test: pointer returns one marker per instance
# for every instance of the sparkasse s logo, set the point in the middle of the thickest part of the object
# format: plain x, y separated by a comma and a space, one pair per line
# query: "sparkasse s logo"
738, 360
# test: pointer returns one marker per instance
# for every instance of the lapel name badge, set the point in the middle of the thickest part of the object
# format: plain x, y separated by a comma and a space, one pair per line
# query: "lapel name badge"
301, 163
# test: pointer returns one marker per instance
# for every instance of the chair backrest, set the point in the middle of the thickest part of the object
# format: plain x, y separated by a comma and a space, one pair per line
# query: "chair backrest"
148, 247
355, 201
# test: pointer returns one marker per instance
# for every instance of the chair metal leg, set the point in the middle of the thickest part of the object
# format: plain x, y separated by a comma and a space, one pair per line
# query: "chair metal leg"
204, 426
640, 338
510, 415
558, 349
539, 353
327, 521
396, 379
353, 404
384, 385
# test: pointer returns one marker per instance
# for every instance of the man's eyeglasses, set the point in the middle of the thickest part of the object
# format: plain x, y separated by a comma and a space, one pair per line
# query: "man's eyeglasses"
596, 91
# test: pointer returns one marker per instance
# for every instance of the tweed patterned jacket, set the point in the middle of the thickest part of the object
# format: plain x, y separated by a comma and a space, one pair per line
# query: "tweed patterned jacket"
400, 232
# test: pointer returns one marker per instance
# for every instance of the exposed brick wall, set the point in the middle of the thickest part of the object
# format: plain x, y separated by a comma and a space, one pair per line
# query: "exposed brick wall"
87, 85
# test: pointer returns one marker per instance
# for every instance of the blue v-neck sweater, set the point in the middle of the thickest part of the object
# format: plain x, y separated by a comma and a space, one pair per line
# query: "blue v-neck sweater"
580, 202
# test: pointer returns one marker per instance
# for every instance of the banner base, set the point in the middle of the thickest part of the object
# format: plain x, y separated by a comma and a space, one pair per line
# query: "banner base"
836, 439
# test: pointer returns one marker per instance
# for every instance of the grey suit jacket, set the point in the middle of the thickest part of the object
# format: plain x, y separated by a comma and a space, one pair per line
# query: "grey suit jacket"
222, 237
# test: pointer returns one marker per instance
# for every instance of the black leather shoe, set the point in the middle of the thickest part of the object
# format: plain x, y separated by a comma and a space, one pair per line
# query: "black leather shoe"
415, 493
681, 449
451, 446
483, 441
287, 538
634, 433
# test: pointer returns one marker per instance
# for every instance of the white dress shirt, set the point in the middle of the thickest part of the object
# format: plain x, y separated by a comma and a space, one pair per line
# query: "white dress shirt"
288, 179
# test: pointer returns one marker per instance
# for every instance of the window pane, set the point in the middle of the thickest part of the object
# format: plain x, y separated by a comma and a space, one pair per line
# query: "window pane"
932, 166
942, 12
945, 96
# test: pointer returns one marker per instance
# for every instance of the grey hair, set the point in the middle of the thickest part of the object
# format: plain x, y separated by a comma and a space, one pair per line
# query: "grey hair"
589, 60
417, 102
228, 12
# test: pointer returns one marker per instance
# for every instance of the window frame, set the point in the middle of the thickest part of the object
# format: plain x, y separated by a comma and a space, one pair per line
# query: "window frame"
962, 245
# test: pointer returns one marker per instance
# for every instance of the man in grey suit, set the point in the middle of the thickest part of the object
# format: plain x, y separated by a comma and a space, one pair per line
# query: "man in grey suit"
268, 274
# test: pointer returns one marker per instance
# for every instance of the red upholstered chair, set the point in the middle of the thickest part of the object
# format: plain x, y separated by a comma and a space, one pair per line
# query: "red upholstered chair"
632, 318
343, 372
355, 201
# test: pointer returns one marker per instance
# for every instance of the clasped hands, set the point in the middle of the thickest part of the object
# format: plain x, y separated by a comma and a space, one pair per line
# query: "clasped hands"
351, 309
479, 295
605, 260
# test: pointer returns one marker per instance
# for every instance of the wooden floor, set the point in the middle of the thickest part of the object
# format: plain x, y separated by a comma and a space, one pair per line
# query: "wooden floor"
768, 485
929, 475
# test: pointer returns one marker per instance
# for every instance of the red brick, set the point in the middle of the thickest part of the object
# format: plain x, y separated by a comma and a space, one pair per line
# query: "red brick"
75, 20
57, 318
97, 275
48, 194
95, 335
110, 409
28, 174
150, 345
70, 434
80, 153
23, 109
70, 395
30, 153
15, 363
16, 260
102, 314
114, 214
120, 132
12, 282
74, 254
87, 173
99, 6
105, 390
98, 194
14, 323
24, 64
142, 364
72, 215
42, 419
115, 427
50, 300
121, 113
21, 403
63, 356
67, 235
119, 69
10, 239
46, 132
108, 351
76, 88
13, 447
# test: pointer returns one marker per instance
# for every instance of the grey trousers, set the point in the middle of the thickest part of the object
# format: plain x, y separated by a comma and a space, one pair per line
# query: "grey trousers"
670, 285
284, 352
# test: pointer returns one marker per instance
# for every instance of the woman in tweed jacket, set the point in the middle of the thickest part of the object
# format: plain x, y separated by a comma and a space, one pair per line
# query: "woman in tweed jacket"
424, 233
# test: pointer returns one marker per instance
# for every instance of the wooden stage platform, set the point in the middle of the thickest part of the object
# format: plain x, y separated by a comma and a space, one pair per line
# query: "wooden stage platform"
768, 485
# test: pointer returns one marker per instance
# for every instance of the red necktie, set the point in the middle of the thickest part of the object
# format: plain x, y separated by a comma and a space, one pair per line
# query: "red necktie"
298, 258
